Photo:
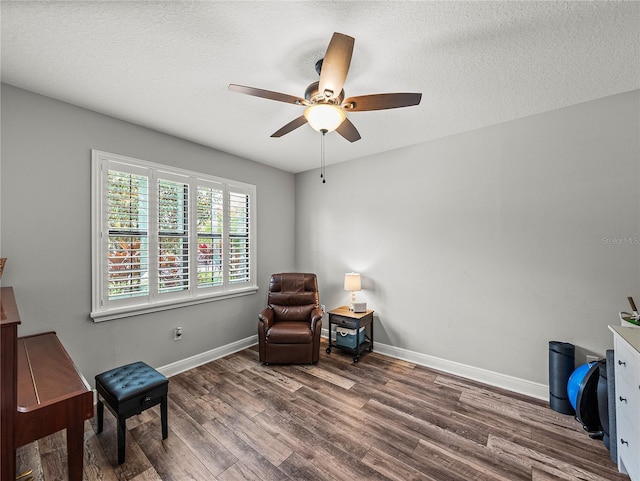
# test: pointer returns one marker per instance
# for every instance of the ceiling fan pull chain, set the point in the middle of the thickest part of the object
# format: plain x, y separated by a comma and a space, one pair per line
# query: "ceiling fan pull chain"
323, 175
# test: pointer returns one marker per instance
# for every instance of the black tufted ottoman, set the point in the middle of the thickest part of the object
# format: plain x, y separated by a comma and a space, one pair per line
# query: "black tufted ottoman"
129, 390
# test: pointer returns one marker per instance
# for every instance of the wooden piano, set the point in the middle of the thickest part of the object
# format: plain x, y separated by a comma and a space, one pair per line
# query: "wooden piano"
42, 392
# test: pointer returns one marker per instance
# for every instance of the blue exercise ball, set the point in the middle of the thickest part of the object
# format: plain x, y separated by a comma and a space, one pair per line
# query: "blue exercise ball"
573, 385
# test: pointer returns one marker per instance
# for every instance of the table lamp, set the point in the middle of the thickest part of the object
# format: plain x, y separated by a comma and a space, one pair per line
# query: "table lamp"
352, 283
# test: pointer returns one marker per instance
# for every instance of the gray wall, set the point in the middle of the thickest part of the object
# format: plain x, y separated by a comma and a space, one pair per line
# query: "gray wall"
482, 247
45, 226
477, 248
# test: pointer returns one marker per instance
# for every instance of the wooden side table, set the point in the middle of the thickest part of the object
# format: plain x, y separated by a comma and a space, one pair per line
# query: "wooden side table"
343, 317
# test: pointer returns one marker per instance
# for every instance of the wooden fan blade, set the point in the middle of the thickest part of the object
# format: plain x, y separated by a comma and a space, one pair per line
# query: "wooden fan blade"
381, 101
267, 94
348, 131
294, 124
335, 64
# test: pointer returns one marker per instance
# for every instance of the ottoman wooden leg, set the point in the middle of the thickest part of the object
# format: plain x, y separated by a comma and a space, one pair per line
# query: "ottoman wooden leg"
163, 417
122, 438
100, 415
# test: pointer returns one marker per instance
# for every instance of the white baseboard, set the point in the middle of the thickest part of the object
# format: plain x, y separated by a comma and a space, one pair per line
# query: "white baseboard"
522, 386
208, 356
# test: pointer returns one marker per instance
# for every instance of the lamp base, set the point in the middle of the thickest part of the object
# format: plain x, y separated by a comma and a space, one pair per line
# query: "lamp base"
359, 307
353, 301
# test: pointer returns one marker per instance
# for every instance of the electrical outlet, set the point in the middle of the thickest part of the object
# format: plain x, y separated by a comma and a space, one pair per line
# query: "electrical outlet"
323, 309
591, 358
177, 334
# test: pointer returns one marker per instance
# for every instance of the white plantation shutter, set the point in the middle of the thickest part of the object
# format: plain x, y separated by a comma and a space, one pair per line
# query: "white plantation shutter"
165, 237
210, 229
173, 236
239, 241
128, 235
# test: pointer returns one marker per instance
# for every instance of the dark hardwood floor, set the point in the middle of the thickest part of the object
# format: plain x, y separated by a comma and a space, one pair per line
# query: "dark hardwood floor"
379, 419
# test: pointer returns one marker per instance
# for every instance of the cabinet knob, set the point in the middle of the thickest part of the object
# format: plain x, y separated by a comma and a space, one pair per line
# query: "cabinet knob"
622, 399
622, 441
621, 363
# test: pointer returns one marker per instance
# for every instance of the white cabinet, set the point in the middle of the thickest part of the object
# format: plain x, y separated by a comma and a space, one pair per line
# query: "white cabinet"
626, 341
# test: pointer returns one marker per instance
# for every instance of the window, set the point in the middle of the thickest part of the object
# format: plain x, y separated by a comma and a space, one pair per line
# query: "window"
165, 237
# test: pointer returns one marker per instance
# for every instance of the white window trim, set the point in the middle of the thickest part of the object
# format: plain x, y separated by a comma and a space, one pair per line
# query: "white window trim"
100, 310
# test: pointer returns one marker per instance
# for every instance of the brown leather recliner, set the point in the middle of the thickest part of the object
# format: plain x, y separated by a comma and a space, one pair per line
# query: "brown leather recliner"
289, 327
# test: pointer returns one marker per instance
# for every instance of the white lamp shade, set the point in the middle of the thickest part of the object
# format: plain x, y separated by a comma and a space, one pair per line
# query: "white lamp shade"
325, 116
352, 282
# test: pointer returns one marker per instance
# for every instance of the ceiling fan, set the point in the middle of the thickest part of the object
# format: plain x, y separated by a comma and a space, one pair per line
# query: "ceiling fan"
325, 101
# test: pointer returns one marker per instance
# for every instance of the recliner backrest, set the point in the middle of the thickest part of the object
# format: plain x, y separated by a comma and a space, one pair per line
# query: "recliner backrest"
293, 295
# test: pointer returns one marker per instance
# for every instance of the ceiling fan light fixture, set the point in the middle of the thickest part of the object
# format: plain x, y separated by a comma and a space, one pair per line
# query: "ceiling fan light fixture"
327, 117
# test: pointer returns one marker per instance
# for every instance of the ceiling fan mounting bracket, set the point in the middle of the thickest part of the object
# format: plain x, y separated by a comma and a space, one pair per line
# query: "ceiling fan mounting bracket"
314, 96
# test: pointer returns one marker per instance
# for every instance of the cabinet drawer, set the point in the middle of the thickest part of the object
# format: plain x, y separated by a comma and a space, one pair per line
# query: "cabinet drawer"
628, 446
627, 402
343, 321
627, 366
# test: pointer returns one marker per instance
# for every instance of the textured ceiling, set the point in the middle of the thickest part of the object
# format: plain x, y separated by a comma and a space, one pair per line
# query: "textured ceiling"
166, 65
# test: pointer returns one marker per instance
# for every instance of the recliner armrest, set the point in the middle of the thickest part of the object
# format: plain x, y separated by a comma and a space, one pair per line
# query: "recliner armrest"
266, 317
316, 316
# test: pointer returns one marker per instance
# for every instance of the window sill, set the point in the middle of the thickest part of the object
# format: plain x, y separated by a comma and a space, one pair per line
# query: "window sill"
130, 311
